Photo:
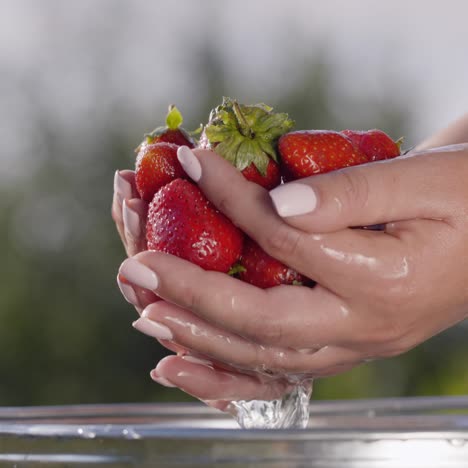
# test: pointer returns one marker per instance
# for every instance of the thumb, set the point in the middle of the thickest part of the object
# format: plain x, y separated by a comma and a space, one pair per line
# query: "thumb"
408, 187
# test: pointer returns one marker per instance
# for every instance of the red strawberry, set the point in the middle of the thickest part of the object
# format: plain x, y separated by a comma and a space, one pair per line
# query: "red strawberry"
183, 222
375, 144
308, 152
270, 180
246, 136
262, 270
172, 132
156, 166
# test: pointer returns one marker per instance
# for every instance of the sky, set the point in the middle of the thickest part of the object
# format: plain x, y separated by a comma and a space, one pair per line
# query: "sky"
143, 52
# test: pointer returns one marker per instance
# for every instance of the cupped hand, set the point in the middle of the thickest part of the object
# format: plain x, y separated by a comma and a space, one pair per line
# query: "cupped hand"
379, 293
210, 378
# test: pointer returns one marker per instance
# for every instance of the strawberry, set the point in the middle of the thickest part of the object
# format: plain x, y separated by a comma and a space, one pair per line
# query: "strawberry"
308, 152
375, 144
270, 180
156, 166
246, 136
172, 132
260, 269
182, 221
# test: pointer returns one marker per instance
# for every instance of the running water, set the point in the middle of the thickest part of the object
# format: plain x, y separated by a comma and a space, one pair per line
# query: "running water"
291, 411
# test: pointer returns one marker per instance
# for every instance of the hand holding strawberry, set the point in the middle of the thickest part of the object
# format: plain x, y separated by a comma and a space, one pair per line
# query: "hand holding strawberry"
370, 300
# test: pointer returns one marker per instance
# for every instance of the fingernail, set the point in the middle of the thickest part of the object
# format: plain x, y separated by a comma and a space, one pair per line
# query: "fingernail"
122, 188
293, 199
139, 274
151, 328
161, 380
189, 162
131, 221
196, 360
127, 292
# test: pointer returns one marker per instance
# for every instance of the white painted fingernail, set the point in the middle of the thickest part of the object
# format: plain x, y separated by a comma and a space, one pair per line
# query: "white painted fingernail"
127, 292
199, 361
151, 328
122, 187
131, 221
189, 162
293, 199
161, 380
139, 274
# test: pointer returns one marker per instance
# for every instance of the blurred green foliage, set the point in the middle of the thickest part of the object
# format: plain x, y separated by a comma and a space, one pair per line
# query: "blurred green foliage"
65, 334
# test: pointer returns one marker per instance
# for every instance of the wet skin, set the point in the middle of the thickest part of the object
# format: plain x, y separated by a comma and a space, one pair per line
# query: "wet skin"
378, 293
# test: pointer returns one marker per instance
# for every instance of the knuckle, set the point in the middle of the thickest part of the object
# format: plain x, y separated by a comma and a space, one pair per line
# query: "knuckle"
394, 348
380, 332
192, 298
355, 186
400, 294
225, 203
263, 330
284, 242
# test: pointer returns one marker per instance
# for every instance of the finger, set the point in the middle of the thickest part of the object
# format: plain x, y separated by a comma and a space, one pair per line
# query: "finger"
124, 189
331, 360
347, 262
315, 317
418, 185
208, 383
135, 295
250, 207
134, 214
219, 345
245, 203
129, 176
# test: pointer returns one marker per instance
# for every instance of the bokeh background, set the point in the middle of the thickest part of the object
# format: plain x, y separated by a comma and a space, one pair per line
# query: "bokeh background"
80, 82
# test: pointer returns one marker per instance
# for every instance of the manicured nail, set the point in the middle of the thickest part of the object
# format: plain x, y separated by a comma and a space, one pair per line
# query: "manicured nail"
151, 328
161, 380
293, 199
131, 221
139, 274
189, 162
122, 187
127, 292
196, 360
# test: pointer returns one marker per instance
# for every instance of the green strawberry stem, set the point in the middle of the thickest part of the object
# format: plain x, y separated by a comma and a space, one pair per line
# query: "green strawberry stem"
399, 143
243, 126
174, 118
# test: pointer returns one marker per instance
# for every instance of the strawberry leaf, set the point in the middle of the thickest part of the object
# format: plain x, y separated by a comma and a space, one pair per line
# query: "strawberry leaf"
228, 148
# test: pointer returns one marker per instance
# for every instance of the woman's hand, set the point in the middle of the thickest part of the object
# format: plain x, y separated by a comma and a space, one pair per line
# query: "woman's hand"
378, 294
129, 214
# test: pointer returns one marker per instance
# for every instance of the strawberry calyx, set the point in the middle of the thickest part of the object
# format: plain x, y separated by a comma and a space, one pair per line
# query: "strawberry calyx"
174, 121
236, 269
399, 143
246, 134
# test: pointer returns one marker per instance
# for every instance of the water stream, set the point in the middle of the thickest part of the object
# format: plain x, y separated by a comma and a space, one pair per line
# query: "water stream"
291, 411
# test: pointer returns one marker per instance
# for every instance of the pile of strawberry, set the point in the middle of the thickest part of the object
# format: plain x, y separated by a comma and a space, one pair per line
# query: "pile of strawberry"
259, 143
